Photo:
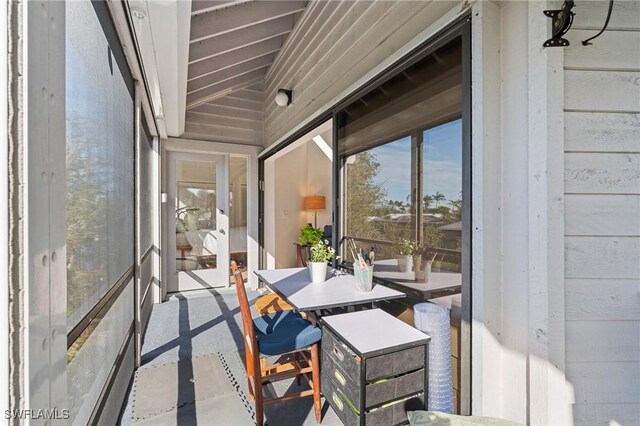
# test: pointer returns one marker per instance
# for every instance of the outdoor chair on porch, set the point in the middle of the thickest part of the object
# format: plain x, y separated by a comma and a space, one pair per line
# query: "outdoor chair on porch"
278, 333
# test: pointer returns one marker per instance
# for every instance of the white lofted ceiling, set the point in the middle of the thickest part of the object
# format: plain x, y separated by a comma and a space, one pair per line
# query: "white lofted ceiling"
232, 44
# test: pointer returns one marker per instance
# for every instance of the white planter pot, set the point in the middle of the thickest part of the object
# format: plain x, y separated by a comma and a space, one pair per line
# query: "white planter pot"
405, 263
318, 271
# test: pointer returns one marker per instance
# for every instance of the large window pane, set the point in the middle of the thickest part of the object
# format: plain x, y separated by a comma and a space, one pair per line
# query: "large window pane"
146, 185
99, 200
378, 196
196, 242
99, 126
442, 195
402, 148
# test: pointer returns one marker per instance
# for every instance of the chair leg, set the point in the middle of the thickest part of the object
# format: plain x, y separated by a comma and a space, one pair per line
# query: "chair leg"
249, 385
256, 375
259, 403
296, 361
315, 375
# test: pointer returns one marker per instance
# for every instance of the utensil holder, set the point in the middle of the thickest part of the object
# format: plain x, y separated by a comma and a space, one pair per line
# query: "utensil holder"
364, 277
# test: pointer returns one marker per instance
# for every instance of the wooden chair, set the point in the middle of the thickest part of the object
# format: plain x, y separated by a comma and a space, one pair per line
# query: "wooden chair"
279, 333
271, 303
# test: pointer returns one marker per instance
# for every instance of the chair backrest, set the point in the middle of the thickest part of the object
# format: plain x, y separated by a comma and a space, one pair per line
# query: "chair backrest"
248, 332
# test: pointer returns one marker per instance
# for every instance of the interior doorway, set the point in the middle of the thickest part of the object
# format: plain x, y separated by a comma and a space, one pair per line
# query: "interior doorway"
300, 171
207, 219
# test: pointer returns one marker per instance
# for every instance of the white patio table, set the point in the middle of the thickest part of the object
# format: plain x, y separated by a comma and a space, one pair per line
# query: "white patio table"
294, 285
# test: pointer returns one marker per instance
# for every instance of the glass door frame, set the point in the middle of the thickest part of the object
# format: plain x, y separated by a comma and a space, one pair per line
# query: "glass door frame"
459, 27
198, 278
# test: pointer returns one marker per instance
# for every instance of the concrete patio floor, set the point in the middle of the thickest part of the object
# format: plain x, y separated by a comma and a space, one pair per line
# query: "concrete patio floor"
207, 323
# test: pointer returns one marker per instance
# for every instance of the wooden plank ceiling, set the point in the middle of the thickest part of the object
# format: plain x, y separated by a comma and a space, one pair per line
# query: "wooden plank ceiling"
232, 45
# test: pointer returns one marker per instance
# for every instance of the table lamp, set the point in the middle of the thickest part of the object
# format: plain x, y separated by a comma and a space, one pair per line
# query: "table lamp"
315, 203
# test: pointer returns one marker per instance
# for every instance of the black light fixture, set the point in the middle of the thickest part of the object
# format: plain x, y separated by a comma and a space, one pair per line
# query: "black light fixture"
283, 97
561, 21
587, 42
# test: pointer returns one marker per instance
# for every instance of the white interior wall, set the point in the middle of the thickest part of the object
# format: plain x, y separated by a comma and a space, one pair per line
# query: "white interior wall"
319, 171
301, 169
290, 189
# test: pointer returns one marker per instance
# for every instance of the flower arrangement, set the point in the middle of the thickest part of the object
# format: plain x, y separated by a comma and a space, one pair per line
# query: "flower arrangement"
322, 252
406, 247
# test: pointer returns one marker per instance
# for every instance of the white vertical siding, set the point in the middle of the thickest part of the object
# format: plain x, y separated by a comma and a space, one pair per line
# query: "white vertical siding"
334, 45
602, 214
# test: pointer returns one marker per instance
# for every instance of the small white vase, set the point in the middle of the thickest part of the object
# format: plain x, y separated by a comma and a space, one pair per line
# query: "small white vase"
318, 271
405, 263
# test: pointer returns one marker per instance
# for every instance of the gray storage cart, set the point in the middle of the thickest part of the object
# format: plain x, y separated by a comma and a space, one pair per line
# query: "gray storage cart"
374, 367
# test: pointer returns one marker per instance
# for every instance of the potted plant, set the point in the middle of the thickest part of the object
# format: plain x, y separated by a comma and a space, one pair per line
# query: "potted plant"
405, 248
309, 235
321, 254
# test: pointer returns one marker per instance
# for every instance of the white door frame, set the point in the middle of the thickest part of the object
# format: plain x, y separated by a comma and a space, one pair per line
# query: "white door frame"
209, 278
180, 145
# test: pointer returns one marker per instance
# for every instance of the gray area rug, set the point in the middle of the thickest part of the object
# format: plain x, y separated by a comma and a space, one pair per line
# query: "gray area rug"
205, 324
173, 386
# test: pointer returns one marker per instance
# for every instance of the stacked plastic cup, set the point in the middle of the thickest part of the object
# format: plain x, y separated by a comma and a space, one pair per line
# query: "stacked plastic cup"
433, 319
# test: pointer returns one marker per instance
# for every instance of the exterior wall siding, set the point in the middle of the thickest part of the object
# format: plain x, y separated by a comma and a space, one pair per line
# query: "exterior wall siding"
602, 214
335, 45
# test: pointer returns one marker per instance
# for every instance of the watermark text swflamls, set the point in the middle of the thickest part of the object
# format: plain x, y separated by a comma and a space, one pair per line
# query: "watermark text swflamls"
42, 414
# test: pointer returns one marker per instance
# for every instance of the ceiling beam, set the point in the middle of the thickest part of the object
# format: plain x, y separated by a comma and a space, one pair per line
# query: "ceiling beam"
222, 89
203, 6
254, 51
217, 22
222, 134
231, 102
259, 87
249, 95
227, 73
217, 120
222, 110
238, 39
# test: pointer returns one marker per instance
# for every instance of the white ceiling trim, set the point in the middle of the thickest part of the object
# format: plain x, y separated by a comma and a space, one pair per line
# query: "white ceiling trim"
164, 26
216, 5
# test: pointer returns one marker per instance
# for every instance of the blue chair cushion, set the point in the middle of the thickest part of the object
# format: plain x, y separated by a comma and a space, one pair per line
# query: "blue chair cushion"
282, 332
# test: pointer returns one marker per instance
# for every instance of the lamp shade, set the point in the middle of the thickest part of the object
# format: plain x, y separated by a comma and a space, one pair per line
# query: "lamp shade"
314, 202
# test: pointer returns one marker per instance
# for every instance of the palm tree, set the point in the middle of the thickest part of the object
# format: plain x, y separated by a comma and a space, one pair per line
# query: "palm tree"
438, 197
427, 199
455, 205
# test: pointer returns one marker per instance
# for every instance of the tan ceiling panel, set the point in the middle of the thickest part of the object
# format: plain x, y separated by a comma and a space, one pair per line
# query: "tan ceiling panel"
203, 6
235, 57
217, 22
221, 110
227, 73
237, 39
224, 88
233, 44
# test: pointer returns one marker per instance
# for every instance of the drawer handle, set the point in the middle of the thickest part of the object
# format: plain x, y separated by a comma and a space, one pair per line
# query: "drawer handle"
338, 353
338, 401
339, 377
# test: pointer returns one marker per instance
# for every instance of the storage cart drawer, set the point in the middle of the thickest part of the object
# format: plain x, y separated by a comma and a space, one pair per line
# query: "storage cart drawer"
392, 413
348, 361
395, 363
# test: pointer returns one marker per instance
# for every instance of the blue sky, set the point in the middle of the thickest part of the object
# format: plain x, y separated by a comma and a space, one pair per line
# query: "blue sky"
442, 163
